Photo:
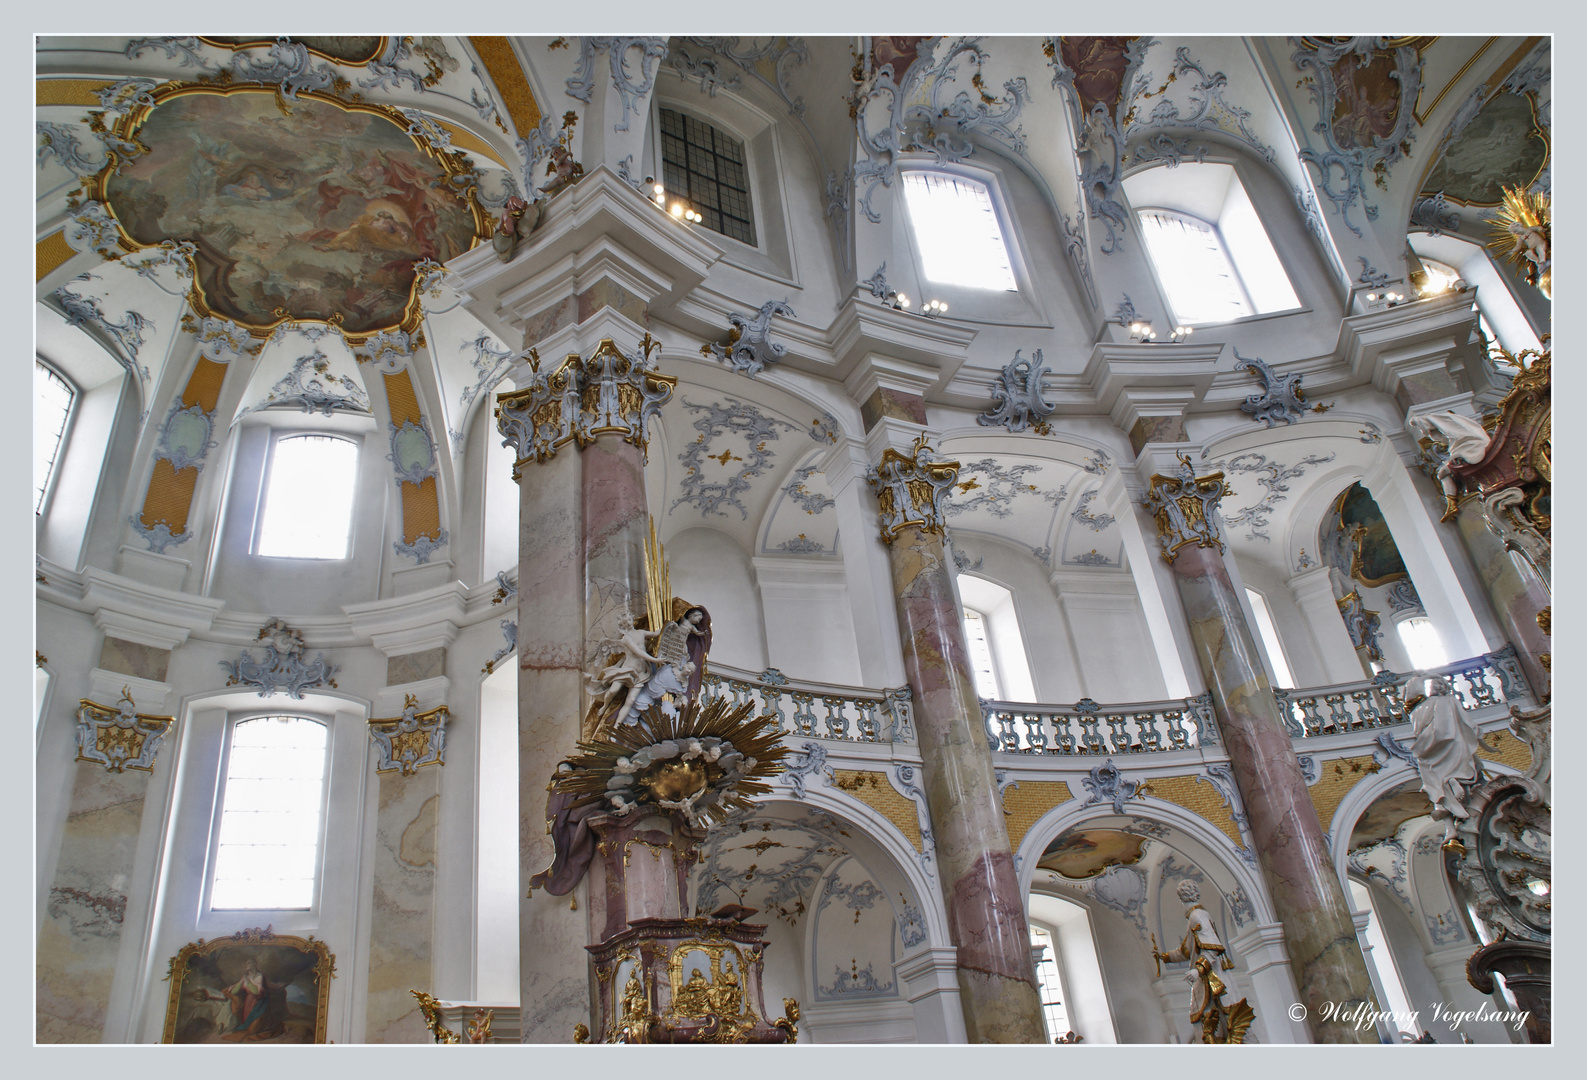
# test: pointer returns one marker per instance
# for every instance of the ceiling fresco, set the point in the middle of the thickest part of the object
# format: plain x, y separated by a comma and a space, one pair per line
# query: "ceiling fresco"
1504, 144
1357, 533
315, 211
1384, 817
1085, 853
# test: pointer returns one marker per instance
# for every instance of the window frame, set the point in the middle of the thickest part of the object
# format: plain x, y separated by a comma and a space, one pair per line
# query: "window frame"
1223, 249
261, 504
1022, 305
207, 910
50, 483
987, 184
1269, 647
750, 178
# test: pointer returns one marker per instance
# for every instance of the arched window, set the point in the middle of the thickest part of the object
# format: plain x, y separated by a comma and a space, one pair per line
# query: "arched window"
307, 510
706, 168
1446, 258
1074, 994
1049, 984
1212, 256
981, 655
1399, 1002
52, 411
997, 648
267, 846
957, 232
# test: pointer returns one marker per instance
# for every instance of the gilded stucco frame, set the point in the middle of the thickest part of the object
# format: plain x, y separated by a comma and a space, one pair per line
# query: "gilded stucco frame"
324, 971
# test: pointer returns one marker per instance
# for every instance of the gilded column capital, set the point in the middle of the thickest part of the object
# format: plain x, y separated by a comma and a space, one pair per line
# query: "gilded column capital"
608, 393
910, 490
1184, 505
412, 740
119, 738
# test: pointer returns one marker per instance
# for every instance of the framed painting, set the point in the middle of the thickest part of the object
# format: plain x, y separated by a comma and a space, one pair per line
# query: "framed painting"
251, 987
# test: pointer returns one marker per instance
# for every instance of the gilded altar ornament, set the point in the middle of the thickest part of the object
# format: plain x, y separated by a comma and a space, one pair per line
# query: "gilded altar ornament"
431, 1009
412, 740
1185, 506
581, 1033
702, 764
612, 392
789, 1020
119, 738
1521, 233
910, 490
1219, 1023
479, 1027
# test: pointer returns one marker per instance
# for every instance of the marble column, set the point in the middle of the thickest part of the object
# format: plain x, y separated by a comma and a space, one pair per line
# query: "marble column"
402, 927
975, 867
80, 935
1319, 935
1517, 592
582, 525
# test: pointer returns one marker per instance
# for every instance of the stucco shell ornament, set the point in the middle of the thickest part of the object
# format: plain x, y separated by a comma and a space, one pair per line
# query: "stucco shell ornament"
313, 209
703, 765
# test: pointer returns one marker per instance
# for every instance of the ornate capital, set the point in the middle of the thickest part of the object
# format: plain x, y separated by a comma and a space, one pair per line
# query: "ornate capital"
119, 738
911, 490
1184, 506
610, 393
412, 740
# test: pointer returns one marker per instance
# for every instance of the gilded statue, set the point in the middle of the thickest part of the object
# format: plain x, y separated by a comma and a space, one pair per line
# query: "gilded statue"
1219, 1023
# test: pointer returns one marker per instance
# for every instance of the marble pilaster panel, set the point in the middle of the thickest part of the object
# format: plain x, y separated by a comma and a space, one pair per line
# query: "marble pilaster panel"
615, 525
80, 934
1516, 592
986, 916
402, 933
1319, 935
553, 966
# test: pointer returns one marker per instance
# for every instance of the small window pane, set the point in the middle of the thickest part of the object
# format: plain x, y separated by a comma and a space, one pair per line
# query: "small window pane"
957, 232
1422, 643
980, 655
52, 404
267, 856
704, 167
1194, 269
308, 504
1050, 985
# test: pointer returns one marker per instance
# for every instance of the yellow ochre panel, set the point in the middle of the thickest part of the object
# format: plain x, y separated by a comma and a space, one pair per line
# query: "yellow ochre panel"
872, 789
1024, 805
1200, 798
53, 251
505, 71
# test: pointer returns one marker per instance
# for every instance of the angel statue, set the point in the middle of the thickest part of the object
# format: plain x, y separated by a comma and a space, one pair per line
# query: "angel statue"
1220, 1023
1467, 440
681, 647
1446, 750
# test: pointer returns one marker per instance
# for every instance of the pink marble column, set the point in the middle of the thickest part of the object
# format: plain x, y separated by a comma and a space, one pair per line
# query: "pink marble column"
553, 966
1324, 953
1516, 591
986, 917
616, 523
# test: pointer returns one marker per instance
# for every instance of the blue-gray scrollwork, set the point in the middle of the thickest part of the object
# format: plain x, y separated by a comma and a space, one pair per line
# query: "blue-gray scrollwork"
509, 633
749, 347
856, 982
705, 68
1106, 784
91, 228
811, 502
184, 49
283, 666
1402, 596
861, 896
962, 561
1090, 558
128, 332
1394, 748
825, 429
1373, 279
904, 779
412, 454
289, 66
1220, 775
119, 738
388, 350
1240, 906
1281, 395
423, 546
1363, 626
802, 545
1434, 215
807, 763
1274, 477
308, 385
997, 487
876, 283
743, 420
1018, 395
411, 741
1199, 710
185, 437
1342, 169
781, 53
630, 89
159, 536
911, 925
1082, 513
1123, 889
898, 706
61, 143
1210, 112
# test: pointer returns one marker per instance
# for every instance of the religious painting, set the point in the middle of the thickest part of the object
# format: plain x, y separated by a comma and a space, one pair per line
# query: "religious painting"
344, 49
1502, 145
308, 210
897, 52
1367, 102
1085, 854
1365, 536
252, 987
1099, 64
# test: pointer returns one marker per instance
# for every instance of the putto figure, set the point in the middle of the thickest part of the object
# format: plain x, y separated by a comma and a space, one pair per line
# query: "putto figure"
640, 678
1219, 1023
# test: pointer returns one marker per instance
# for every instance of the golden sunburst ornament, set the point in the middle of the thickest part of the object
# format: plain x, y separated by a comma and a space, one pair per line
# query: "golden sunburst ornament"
1521, 233
703, 763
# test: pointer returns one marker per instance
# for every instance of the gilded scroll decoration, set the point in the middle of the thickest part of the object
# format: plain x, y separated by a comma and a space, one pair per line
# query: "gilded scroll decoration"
610, 392
1185, 507
412, 740
119, 738
911, 491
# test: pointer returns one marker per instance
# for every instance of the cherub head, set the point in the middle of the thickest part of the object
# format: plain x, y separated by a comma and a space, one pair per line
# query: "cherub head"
1189, 893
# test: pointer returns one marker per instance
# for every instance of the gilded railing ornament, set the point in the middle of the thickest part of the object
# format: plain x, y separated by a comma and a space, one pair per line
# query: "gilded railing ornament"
911, 490
611, 392
119, 738
412, 740
1185, 507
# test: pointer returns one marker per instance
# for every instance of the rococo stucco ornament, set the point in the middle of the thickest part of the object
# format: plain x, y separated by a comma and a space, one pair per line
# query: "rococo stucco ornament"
119, 738
1185, 507
1019, 401
749, 346
412, 740
283, 666
1506, 840
910, 491
611, 392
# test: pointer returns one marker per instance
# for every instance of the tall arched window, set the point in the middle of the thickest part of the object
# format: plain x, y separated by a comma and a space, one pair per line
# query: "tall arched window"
267, 847
957, 231
1270, 640
997, 648
307, 510
52, 410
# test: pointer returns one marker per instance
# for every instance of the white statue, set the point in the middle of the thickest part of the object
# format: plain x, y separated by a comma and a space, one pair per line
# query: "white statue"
1446, 748
1219, 1023
627, 674
1467, 440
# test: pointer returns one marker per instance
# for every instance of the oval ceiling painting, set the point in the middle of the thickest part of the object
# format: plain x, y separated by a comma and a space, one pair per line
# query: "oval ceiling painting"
314, 212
